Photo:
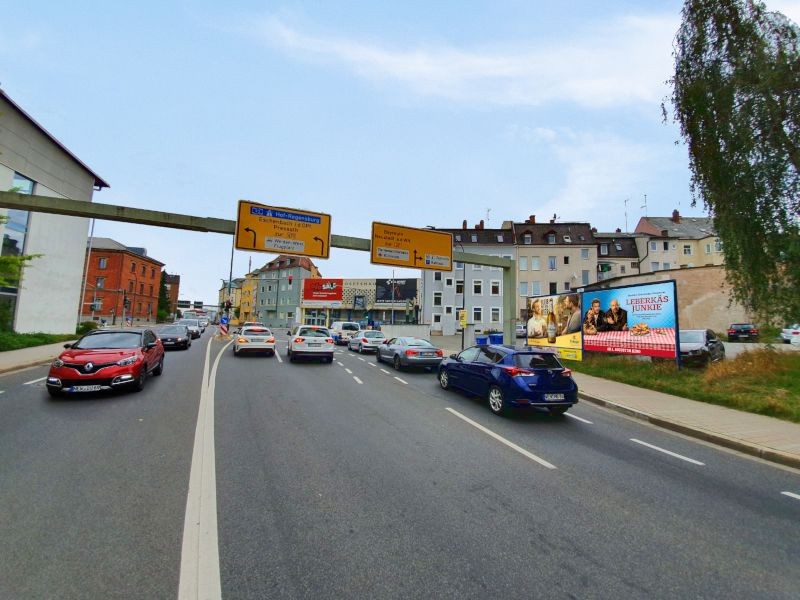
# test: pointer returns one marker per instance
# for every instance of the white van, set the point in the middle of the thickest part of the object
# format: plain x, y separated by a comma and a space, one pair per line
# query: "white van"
342, 331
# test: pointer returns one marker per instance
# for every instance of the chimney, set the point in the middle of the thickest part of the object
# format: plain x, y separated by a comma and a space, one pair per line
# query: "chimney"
618, 230
481, 223
594, 229
464, 224
676, 216
532, 219
552, 221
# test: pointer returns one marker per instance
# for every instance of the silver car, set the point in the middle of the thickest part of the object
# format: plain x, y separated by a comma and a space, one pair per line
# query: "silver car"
366, 341
193, 325
409, 352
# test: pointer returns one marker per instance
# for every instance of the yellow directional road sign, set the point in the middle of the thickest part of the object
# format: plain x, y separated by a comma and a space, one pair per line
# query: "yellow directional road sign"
400, 246
282, 230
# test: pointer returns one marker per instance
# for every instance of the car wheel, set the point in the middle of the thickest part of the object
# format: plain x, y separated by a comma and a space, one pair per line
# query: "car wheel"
444, 379
235, 351
142, 379
557, 411
330, 360
396, 363
496, 401
159, 367
361, 348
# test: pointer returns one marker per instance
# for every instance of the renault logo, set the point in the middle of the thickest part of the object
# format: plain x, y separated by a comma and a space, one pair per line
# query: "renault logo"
88, 368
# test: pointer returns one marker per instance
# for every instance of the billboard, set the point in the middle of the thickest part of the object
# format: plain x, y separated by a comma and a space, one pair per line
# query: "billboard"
322, 292
555, 322
637, 319
397, 291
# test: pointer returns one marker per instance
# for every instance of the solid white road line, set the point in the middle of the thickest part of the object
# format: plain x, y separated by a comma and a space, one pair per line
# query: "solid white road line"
791, 495
577, 418
199, 576
401, 381
503, 440
349, 372
384, 371
358, 380
278, 356
686, 458
35, 380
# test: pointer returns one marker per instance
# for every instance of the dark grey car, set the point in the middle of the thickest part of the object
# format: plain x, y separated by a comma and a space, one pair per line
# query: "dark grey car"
699, 347
409, 352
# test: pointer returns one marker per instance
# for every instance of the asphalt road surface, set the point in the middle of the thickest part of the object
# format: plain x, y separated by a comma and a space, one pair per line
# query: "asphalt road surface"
353, 480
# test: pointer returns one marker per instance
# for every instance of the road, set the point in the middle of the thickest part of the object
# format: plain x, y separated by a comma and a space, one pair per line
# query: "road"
352, 480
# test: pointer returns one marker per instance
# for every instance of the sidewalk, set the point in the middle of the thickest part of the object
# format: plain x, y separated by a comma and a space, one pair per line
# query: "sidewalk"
765, 437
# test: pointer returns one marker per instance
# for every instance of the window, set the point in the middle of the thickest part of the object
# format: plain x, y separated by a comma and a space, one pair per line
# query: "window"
459, 265
566, 260
151, 290
654, 266
448, 310
457, 237
448, 282
98, 303
152, 273
603, 249
536, 288
584, 254
618, 246
634, 265
139, 307
144, 269
708, 248
581, 237
133, 267
499, 238
437, 276
622, 269
553, 287
585, 277
477, 267
527, 239
100, 282
551, 238
717, 245
494, 287
494, 314
437, 318
437, 298
477, 287
474, 238
566, 286
552, 263
459, 286
523, 288
535, 263
477, 314
653, 246
141, 288
523, 263
130, 286
687, 250
567, 239
666, 246
102, 263
667, 266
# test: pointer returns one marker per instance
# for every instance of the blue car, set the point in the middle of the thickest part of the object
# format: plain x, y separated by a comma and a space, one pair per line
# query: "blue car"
511, 378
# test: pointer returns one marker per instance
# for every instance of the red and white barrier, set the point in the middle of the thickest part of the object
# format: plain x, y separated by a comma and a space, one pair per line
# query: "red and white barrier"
223, 329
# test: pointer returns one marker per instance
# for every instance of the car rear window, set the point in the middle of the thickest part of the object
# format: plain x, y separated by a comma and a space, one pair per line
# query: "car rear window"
373, 334
416, 342
535, 360
350, 327
314, 333
172, 329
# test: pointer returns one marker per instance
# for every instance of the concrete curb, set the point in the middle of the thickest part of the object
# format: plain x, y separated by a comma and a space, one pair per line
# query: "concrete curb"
27, 365
776, 456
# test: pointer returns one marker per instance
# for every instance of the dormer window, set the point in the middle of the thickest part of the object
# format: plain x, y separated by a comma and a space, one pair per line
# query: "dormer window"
618, 246
499, 238
457, 237
527, 239
474, 237
604, 249
551, 238
581, 238
567, 239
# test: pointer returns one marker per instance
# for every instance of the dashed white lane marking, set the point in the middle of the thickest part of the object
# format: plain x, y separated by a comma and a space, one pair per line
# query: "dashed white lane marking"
401, 381
361, 359
348, 371
2, 391
503, 440
358, 380
791, 495
372, 365
341, 364
577, 418
35, 380
384, 371
676, 455
278, 356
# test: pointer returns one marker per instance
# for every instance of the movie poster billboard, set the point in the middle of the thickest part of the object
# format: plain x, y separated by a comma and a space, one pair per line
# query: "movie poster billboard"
637, 319
555, 322
323, 292
394, 291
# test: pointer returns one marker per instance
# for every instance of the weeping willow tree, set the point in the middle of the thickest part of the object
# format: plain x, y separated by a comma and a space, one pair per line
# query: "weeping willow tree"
736, 97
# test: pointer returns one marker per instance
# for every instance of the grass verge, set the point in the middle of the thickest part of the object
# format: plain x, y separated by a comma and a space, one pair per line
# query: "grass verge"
16, 341
762, 381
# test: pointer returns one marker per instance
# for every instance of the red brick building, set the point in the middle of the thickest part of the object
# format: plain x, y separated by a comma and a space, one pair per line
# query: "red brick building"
116, 273
173, 283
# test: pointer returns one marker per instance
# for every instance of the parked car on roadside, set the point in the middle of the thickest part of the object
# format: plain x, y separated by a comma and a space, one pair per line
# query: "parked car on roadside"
510, 378
366, 341
520, 330
175, 336
738, 332
409, 352
254, 338
700, 347
789, 332
310, 341
107, 359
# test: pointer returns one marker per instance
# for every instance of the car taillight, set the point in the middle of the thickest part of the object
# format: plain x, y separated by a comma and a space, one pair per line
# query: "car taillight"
566, 373
329, 340
731, 331
514, 371
270, 340
754, 331
439, 353
299, 340
411, 352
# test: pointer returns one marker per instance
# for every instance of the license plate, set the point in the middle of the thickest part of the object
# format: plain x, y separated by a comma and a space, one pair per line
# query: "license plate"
554, 396
427, 354
315, 345
86, 388
168, 342
742, 335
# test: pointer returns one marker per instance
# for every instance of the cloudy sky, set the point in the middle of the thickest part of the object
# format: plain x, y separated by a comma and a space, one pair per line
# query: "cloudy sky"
415, 113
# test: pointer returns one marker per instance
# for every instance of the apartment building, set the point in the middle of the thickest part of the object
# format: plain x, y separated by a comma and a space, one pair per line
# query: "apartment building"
677, 242
278, 288
617, 254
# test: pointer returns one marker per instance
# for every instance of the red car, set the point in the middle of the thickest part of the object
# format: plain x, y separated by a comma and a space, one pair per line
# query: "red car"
107, 359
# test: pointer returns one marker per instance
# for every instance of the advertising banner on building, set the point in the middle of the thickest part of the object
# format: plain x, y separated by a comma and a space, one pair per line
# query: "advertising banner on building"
637, 319
322, 292
555, 322
395, 291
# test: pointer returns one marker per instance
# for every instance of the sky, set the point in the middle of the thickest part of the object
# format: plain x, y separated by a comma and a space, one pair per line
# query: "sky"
413, 113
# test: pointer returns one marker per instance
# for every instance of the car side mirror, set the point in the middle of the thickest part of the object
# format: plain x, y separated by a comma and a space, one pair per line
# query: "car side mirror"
454, 356
150, 345
68, 346
288, 333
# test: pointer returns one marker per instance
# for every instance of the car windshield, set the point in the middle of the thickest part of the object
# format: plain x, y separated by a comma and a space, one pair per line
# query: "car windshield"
692, 337
172, 329
350, 327
323, 333
110, 339
418, 342
529, 360
373, 334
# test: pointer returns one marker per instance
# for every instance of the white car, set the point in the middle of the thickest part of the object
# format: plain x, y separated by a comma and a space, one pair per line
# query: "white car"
366, 341
790, 332
254, 339
312, 342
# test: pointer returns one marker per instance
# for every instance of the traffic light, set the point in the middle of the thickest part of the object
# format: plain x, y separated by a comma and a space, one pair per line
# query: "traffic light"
126, 303
290, 279
227, 305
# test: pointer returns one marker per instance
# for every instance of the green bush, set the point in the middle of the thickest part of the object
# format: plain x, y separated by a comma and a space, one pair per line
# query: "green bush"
14, 341
86, 327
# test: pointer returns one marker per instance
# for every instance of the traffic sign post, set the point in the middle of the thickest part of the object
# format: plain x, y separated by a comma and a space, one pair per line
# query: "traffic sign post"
399, 246
282, 230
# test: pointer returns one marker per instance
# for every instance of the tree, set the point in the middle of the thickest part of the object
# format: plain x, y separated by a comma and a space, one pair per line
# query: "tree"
163, 299
736, 96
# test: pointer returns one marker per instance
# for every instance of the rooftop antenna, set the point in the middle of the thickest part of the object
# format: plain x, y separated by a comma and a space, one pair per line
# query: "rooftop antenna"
644, 206
626, 214
488, 210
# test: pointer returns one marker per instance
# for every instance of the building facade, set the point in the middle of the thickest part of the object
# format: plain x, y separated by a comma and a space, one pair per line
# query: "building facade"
173, 285
678, 242
48, 296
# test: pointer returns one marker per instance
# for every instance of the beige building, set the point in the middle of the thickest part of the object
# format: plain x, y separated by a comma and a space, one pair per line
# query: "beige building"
677, 242
618, 254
